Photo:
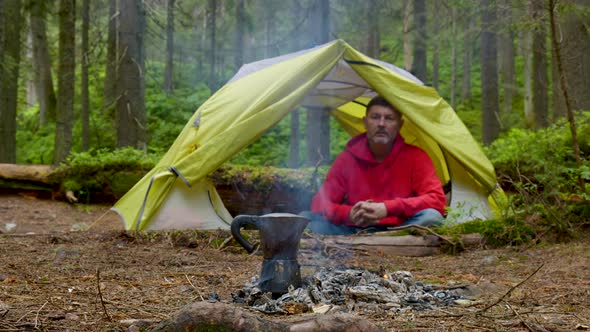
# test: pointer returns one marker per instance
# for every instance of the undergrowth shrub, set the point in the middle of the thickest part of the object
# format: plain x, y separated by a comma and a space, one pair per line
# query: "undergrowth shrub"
539, 171
498, 232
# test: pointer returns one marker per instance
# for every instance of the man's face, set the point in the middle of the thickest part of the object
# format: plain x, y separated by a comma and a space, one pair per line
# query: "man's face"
382, 124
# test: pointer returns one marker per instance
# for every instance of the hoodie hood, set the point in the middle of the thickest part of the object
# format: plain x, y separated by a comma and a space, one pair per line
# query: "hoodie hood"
358, 147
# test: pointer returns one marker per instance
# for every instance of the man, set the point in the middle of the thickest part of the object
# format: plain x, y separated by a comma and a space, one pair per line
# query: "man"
379, 181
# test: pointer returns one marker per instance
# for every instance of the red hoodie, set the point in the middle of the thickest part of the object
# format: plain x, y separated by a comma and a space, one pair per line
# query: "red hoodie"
405, 181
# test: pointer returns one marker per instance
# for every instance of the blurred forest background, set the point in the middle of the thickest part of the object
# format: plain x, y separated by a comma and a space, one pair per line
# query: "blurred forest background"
104, 74
106, 85
82, 79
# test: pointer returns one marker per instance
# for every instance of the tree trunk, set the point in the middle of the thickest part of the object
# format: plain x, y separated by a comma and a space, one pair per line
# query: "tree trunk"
325, 116
131, 117
201, 45
211, 30
565, 91
2, 18
468, 46
66, 77
85, 114
506, 56
168, 85
419, 64
298, 43
31, 98
270, 9
489, 75
454, 68
574, 46
294, 140
540, 81
42, 62
407, 33
527, 72
373, 39
110, 80
318, 120
436, 44
10, 20
240, 29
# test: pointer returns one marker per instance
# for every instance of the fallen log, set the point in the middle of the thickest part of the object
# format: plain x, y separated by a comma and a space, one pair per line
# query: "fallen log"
243, 190
406, 245
31, 173
26, 177
205, 316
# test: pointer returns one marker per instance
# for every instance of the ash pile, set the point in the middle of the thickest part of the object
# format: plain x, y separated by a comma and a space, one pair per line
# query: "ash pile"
352, 290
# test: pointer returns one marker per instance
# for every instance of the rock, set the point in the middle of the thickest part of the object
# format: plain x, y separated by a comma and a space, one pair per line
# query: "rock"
4, 308
213, 297
556, 321
321, 308
63, 254
139, 323
79, 227
464, 303
485, 287
489, 260
71, 316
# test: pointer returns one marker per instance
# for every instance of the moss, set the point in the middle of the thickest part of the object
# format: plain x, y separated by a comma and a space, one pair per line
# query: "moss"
121, 182
263, 178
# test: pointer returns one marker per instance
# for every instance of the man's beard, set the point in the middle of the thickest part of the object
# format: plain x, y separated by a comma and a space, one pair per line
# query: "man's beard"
385, 138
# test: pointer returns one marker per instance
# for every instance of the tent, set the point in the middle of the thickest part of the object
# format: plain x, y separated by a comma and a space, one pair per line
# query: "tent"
334, 78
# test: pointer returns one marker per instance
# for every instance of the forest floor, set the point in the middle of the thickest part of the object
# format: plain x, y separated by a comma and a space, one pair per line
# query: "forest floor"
72, 267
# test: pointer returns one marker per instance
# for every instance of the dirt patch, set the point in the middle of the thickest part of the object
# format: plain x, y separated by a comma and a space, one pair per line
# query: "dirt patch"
72, 267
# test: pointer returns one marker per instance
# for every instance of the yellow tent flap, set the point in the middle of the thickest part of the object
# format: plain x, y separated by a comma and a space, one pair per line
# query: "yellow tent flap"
333, 77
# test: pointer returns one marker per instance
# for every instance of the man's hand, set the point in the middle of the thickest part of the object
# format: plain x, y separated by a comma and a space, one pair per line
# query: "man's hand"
367, 213
357, 214
374, 210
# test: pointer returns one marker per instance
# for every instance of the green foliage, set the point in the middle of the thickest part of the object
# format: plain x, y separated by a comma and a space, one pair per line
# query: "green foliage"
34, 144
168, 114
102, 174
271, 149
542, 159
497, 232
541, 175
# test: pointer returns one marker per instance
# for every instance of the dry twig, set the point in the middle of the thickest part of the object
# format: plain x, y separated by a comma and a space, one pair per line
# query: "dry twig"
195, 288
37, 315
104, 308
225, 242
519, 317
510, 291
481, 311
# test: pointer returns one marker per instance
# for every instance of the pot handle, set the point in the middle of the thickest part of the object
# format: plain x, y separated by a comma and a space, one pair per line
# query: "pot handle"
242, 221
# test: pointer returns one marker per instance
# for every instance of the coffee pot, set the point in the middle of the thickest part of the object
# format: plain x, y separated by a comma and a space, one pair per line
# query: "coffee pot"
280, 234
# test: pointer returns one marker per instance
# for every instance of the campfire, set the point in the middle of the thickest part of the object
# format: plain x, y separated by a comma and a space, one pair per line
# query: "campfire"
281, 289
351, 290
